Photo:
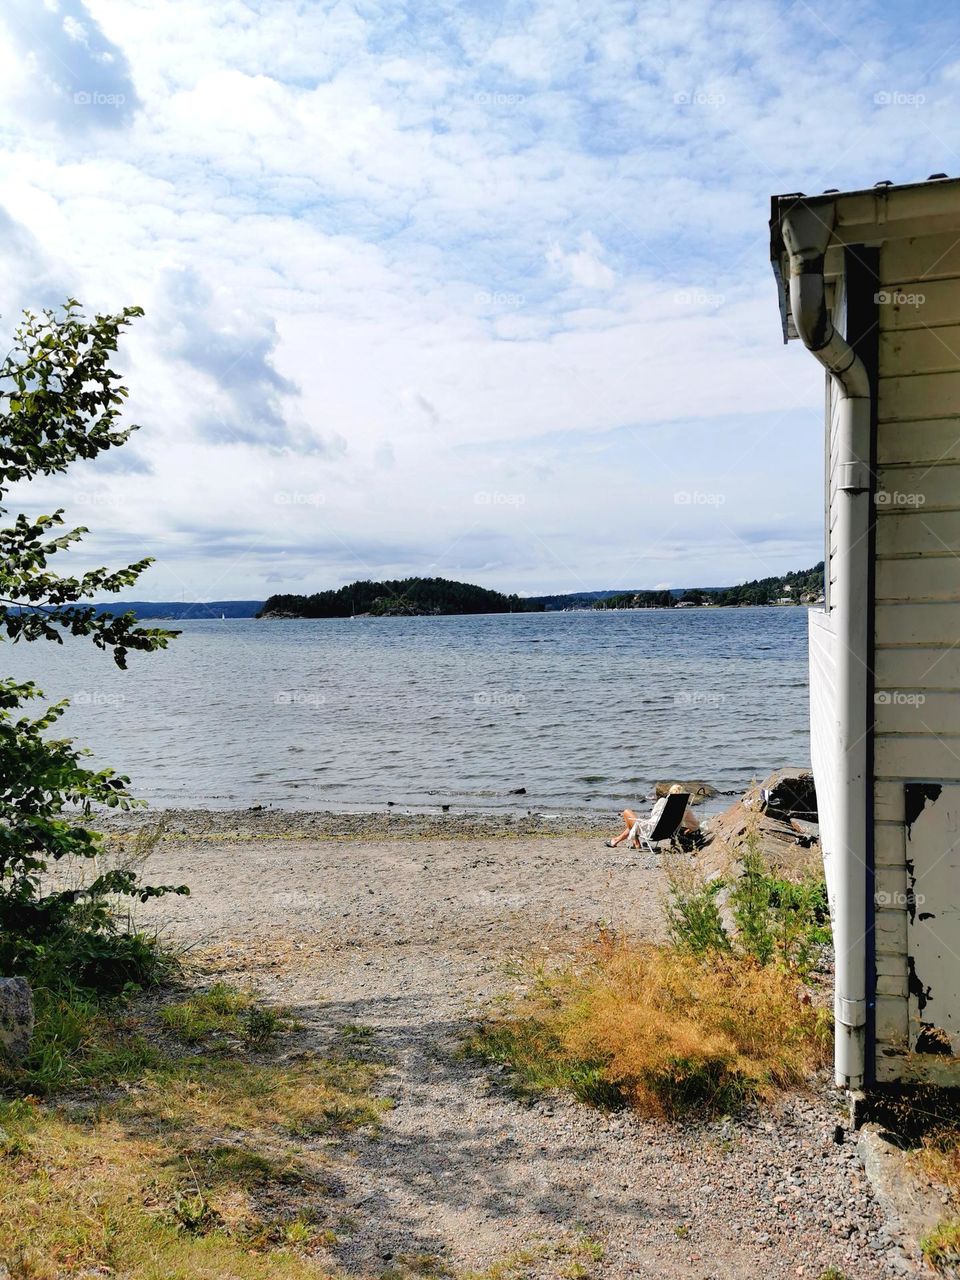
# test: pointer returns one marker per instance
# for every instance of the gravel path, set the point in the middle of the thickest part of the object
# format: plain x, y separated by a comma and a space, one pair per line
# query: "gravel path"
411, 936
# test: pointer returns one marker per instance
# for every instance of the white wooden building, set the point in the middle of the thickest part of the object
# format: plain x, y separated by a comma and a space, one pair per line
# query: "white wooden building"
870, 282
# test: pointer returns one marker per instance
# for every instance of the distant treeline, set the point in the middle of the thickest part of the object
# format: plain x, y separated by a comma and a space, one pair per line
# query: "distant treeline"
640, 600
800, 586
397, 598
181, 609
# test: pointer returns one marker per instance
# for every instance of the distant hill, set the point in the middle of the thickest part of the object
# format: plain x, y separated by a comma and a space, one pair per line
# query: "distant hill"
798, 587
573, 599
180, 609
438, 595
397, 598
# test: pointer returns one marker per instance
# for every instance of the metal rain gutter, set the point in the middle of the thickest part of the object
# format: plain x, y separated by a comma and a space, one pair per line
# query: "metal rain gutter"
806, 234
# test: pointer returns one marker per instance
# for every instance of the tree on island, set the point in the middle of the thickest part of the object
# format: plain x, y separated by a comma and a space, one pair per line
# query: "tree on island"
802, 585
397, 597
59, 401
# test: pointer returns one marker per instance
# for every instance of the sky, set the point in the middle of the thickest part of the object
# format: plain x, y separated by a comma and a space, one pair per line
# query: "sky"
476, 290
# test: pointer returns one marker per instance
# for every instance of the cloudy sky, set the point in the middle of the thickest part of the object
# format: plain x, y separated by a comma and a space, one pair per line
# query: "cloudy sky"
474, 289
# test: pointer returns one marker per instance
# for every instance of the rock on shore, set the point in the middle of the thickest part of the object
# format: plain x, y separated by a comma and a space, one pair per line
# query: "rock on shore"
16, 1019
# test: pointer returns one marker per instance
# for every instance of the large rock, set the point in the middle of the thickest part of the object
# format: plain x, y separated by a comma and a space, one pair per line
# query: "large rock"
789, 793
763, 817
16, 1019
698, 790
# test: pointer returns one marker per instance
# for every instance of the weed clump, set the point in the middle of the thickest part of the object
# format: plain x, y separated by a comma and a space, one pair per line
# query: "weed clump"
771, 919
941, 1247
718, 1018
660, 1030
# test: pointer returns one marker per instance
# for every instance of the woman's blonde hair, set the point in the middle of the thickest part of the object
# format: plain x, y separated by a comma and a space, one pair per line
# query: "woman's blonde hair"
675, 790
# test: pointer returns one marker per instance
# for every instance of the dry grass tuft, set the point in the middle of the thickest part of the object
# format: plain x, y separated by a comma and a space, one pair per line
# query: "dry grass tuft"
310, 1096
94, 1199
939, 1157
661, 1031
197, 1159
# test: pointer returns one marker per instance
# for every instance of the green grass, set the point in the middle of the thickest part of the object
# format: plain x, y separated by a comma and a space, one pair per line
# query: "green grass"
80, 1040
195, 1168
356, 1032
539, 1063
941, 1247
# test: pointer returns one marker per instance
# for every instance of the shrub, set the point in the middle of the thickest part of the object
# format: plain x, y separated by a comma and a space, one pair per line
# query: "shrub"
60, 402
662, 1030
693, 914
775, 920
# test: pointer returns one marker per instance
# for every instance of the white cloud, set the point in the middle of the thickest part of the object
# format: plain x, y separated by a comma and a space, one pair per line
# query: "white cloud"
394, 259
584, 266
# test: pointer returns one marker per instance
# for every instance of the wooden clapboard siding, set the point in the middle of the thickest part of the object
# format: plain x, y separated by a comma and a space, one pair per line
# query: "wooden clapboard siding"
911, 443
888, 846
917, 532
930, 304
914, 711
912, 757
824, 711
931, 486
916, 621
933, 668
917, 259
914, 396
933, 577
927, 350
887, 803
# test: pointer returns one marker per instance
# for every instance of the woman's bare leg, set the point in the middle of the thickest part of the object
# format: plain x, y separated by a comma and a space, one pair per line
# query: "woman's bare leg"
629, 818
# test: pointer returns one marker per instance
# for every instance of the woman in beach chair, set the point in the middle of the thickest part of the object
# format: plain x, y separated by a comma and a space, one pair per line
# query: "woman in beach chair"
642, 828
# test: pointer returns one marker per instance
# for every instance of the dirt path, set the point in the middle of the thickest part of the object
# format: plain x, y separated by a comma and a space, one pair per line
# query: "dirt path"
411, 939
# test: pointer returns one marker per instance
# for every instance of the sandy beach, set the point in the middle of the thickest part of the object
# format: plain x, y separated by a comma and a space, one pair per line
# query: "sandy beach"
409, 927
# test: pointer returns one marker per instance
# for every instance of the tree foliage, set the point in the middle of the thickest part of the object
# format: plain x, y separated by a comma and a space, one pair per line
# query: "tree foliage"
397, 597
60, 402
795, 585
638, 600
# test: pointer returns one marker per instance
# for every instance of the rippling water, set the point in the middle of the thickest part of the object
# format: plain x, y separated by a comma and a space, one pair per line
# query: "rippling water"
584, 710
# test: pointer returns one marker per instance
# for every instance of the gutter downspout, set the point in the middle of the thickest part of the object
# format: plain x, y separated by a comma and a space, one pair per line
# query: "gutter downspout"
806, 233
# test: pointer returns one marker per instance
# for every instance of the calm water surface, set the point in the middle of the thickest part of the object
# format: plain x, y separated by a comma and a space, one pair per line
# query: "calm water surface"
584, 710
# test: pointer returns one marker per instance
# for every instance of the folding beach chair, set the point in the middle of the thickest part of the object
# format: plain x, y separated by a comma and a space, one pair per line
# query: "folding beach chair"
663, 828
